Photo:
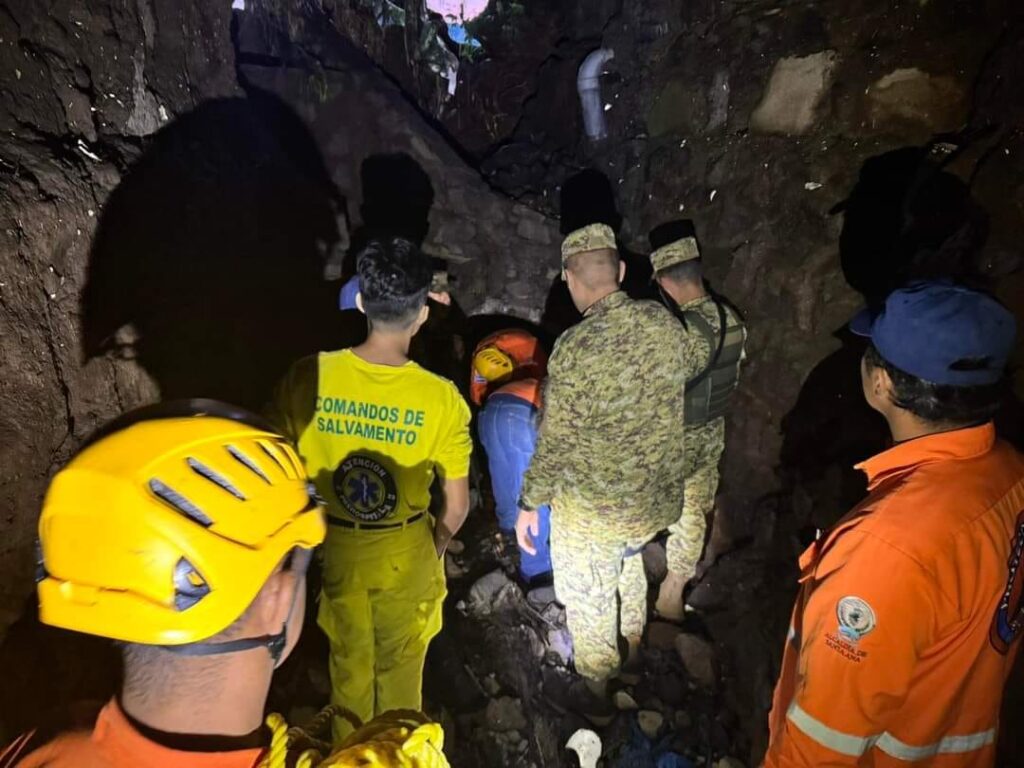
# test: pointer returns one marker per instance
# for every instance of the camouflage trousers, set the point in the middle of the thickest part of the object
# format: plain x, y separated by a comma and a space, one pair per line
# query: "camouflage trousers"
602, 585
704, 447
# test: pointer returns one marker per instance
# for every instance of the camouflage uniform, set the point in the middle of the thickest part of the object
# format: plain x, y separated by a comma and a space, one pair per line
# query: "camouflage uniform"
705, 443
608, 456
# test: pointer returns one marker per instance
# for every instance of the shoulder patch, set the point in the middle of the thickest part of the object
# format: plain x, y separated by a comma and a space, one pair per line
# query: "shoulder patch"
1008, 622
856, 618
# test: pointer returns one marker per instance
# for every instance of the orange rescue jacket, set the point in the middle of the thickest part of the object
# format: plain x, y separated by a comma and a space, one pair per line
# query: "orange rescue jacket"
529, 360
525, 389
903, 632
114, 743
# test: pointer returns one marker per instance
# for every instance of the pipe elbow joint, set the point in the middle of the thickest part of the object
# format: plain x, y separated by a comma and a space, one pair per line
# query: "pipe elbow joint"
588, 85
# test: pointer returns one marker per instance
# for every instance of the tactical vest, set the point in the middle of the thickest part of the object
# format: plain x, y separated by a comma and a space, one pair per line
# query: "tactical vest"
709, 392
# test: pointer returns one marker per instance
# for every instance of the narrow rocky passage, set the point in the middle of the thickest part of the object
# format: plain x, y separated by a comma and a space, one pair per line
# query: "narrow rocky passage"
184, 183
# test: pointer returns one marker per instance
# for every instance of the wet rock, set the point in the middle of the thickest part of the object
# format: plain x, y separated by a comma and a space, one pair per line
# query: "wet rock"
910, 95
795, 91
505, 714
655, 562
678, 109
485, 592
624, 702
661, 635
650, 722
491, 686
560, 644
541, 597
698, 657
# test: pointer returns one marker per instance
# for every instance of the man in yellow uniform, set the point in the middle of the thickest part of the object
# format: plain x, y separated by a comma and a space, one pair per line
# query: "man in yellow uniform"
374, 429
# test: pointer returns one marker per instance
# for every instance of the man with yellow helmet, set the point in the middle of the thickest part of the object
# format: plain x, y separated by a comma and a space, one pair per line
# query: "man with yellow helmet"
182, 532
508, 370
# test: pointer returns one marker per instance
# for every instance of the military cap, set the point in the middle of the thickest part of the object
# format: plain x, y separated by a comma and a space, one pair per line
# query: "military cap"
440, 282
674, 253
593, 237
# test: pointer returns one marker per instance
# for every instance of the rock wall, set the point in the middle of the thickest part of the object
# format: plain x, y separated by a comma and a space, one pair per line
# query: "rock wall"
80, 88
394, 169
165, 238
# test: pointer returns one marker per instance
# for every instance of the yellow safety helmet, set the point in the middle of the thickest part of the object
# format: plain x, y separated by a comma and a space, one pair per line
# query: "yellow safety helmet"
492, 364
165, 527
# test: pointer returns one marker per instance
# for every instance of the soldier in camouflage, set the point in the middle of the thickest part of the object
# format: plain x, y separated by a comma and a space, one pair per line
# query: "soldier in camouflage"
714, 348
608, 455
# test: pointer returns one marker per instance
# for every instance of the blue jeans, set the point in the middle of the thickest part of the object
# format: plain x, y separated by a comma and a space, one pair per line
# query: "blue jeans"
508, 432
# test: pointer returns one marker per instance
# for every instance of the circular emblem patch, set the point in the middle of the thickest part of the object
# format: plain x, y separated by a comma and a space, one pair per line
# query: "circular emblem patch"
365, 488
856, 618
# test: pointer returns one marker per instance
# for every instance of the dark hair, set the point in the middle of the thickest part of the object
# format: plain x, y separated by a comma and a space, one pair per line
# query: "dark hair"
394, 277
939, 403
683, 272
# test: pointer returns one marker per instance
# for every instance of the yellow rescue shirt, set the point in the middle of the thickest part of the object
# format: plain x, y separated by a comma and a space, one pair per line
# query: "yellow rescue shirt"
372, 436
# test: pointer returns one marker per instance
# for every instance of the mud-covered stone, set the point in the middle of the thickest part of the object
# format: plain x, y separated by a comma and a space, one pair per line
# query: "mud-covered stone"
793, 97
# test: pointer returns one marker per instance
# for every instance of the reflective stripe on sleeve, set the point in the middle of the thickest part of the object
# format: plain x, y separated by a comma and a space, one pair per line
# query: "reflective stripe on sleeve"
855, 746
791, 635
950, 745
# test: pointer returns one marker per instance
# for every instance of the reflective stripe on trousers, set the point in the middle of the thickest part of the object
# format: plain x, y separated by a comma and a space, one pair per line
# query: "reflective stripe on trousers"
855, 746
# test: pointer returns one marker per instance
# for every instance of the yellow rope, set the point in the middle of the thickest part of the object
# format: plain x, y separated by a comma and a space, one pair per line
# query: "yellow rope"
399, 739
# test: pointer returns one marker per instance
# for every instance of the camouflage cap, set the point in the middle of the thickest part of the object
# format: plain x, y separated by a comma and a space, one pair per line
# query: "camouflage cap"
675, 253
440, 282
593, 237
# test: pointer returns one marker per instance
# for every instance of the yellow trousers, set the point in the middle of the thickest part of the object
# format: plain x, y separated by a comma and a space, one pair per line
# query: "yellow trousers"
380, 608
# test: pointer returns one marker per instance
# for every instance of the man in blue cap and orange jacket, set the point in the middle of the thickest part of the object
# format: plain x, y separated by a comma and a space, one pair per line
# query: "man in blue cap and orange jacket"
906, 623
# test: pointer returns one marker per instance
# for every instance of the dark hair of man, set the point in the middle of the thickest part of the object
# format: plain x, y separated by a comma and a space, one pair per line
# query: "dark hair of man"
683, 272
940, 403
595, 269
394, 277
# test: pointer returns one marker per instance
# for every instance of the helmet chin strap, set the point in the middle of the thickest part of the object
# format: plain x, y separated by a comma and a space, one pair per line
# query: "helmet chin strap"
275, 644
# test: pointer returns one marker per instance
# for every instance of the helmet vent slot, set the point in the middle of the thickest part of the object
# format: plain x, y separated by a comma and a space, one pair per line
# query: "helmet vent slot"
41, 573
182, 505
189, 586
275, 458
247, 462
214, 477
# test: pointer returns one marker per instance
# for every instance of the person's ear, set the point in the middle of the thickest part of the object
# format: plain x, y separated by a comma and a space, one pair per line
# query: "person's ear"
421, 318
271, 607
622, 271
881, 384
359, 302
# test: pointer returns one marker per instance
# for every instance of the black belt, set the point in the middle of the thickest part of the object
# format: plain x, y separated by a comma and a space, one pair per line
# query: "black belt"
332, 520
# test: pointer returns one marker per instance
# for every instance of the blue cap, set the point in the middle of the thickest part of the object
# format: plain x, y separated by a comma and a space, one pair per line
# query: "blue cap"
942, 333
347, 297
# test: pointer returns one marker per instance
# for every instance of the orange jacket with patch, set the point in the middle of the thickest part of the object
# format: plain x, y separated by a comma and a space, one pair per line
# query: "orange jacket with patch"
903, 632
114, 743
529, 360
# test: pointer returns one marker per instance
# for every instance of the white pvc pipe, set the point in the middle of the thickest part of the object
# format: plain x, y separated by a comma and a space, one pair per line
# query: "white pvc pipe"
588, 84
